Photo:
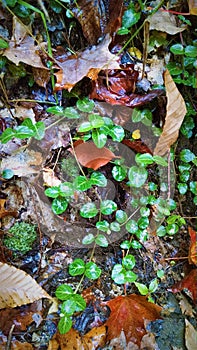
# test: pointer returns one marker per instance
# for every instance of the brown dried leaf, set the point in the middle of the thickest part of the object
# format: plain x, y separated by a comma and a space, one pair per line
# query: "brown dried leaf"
92, 157
22, 47
4, 212
190, 336
164, 22
176, 110
188, 282
128, 313
76, 67
15, 345
18, 288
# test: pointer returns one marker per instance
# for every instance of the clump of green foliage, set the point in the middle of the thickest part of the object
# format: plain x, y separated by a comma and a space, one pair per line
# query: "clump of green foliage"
20, 237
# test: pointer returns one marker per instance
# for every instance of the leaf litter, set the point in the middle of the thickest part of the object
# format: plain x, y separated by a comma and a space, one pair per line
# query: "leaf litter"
168, 137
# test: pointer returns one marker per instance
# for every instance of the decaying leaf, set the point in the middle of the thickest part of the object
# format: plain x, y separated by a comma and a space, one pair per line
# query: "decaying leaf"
15, 345
22, 47
176, 110
188, 282
128, 313
190, 336
4, 212
18, 288
94, 339
87, 63
23, 163
49, 178
164, 22
137, 145
193, 246
192, 7
92, 157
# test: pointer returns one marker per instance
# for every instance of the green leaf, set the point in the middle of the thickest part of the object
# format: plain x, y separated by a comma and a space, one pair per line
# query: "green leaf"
182, 187
7, 135
191, 51
80, 303
130, 17
119, 172
137, 115
143, 222
174, 68
63, 292
57, 110
99, 138
64, 324
3, 44
144, 159
85, 105
96, 120
88, 239
88, 210
98, 179
125, 245
187, 156
7, 174
137, 176
121, 216
184, 176
118, 274
160, 160
177, 49
71, 113
66, 189
68, 307
153, 285
23, 132
193, 187
108, 207
92, 271
103, 226
136, 245
161, 231
115, 226
145, 212
85, 126
59, 205
132, 226
117, 133
77, 267
39, 130
101, 240
129, 276
128, 262
171, 229
52, 192
81, 183
142, 288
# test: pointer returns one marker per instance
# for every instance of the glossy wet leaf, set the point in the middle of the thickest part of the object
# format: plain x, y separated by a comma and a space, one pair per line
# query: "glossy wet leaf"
119, 172
77, 267
99, 138
144, 159
80, 303
59, 205
63, 292
143, 289
128, 262
101, 240
82, 183
132, 226
64, 324
108, 207
98, 179
192, 248
137, 176
68, 307
115, 226
121, 216
102, 225
88, 239
187, 156
88, 210
92, 271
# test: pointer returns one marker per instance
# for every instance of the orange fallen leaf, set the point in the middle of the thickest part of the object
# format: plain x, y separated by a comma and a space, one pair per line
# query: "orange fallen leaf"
188, 282
193, 246
128, 313
176, 110
93, 157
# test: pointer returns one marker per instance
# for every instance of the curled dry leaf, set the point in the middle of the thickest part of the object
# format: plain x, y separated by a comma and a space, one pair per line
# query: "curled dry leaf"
164, 22
193, 247
87, 63
128, 313
18, 288
176, 110
92, 157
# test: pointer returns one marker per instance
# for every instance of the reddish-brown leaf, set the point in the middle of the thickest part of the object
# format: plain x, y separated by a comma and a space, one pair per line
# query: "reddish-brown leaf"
137, 145
92, 157
128, 313
193, 246
189, 282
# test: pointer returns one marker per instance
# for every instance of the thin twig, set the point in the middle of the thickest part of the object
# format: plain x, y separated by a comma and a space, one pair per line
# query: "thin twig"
9, 338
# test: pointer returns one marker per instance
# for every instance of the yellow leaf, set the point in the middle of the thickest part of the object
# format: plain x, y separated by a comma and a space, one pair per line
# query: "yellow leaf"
136, 134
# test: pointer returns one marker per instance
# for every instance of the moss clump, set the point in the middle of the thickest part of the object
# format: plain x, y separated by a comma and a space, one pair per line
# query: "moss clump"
20, 237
